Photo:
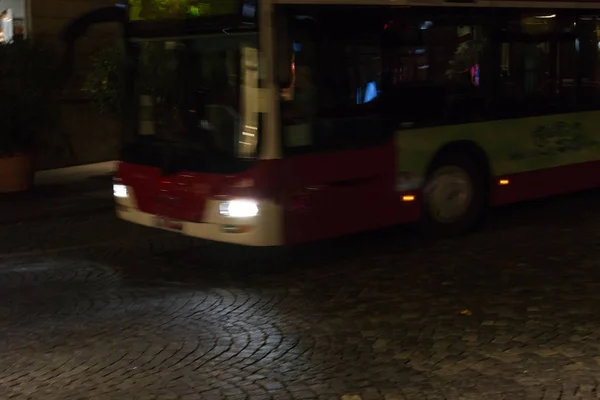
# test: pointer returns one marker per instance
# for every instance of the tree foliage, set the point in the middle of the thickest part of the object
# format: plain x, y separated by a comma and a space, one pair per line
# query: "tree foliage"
104, 83
155, 76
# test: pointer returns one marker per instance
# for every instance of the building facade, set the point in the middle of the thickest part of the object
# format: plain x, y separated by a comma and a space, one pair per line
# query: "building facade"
83, 136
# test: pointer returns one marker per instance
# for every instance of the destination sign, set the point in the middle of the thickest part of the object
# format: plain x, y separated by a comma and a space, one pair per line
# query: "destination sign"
162, 10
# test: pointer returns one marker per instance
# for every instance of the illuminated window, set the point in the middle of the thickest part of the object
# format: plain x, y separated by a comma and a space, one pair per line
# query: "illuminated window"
12, 19
6, 19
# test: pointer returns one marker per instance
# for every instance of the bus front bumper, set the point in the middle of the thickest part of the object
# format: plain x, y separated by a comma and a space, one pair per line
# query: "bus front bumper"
265, 229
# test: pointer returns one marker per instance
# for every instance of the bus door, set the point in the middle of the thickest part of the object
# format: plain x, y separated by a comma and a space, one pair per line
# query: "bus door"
339, 156
331, 193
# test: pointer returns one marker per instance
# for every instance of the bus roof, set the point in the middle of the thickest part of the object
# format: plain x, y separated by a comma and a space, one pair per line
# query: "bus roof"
583, 4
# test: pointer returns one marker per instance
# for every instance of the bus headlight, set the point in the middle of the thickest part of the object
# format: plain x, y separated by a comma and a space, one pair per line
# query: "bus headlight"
239, 209
120, 191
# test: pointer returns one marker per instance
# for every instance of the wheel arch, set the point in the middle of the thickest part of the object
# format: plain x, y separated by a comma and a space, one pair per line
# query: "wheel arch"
469, 149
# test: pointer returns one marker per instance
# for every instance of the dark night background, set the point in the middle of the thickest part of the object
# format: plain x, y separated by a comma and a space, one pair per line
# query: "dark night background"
93, 307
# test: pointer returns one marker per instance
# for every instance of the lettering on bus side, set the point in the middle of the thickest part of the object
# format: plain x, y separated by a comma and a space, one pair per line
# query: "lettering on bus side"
556, 138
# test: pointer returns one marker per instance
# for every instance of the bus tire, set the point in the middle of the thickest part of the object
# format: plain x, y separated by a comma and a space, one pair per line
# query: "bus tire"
453, 199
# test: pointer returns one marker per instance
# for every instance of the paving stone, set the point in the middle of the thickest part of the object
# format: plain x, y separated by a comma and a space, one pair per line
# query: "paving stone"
96, 308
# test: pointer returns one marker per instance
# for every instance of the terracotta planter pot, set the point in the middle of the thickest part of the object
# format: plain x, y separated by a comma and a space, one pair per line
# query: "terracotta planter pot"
16, 173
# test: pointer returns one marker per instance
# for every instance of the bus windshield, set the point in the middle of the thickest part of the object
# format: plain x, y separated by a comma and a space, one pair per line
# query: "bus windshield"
192, 92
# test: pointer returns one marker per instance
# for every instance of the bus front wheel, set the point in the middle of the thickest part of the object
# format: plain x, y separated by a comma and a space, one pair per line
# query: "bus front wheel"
453, 198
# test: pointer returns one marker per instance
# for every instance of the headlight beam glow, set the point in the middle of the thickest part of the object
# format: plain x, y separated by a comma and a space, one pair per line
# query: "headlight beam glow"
239, 209
120, 191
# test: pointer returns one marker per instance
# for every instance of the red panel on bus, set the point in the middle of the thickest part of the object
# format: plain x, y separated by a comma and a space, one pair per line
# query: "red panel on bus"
183, 196
546, 182
344, 192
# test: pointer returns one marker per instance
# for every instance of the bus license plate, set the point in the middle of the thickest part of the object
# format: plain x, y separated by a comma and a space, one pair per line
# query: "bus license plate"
168, 223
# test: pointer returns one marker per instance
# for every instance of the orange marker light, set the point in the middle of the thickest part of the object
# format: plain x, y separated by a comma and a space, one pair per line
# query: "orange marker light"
504, 182
408, 198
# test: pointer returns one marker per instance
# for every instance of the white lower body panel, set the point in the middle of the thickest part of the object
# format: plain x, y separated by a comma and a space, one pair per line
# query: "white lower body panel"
266, 229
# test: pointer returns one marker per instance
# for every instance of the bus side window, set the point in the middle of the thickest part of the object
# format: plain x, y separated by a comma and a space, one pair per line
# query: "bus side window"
525, 81
538, 54
298, 92
436, 70
336, 86
349, 100
298, 110
588, 68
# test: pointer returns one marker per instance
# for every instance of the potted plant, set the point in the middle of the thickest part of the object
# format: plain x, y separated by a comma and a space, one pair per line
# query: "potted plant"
29, 89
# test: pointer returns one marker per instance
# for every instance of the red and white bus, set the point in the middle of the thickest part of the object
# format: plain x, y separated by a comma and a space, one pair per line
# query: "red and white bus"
273, 122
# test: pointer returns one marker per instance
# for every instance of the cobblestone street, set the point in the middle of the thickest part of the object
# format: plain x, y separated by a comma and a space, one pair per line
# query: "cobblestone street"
91, 307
